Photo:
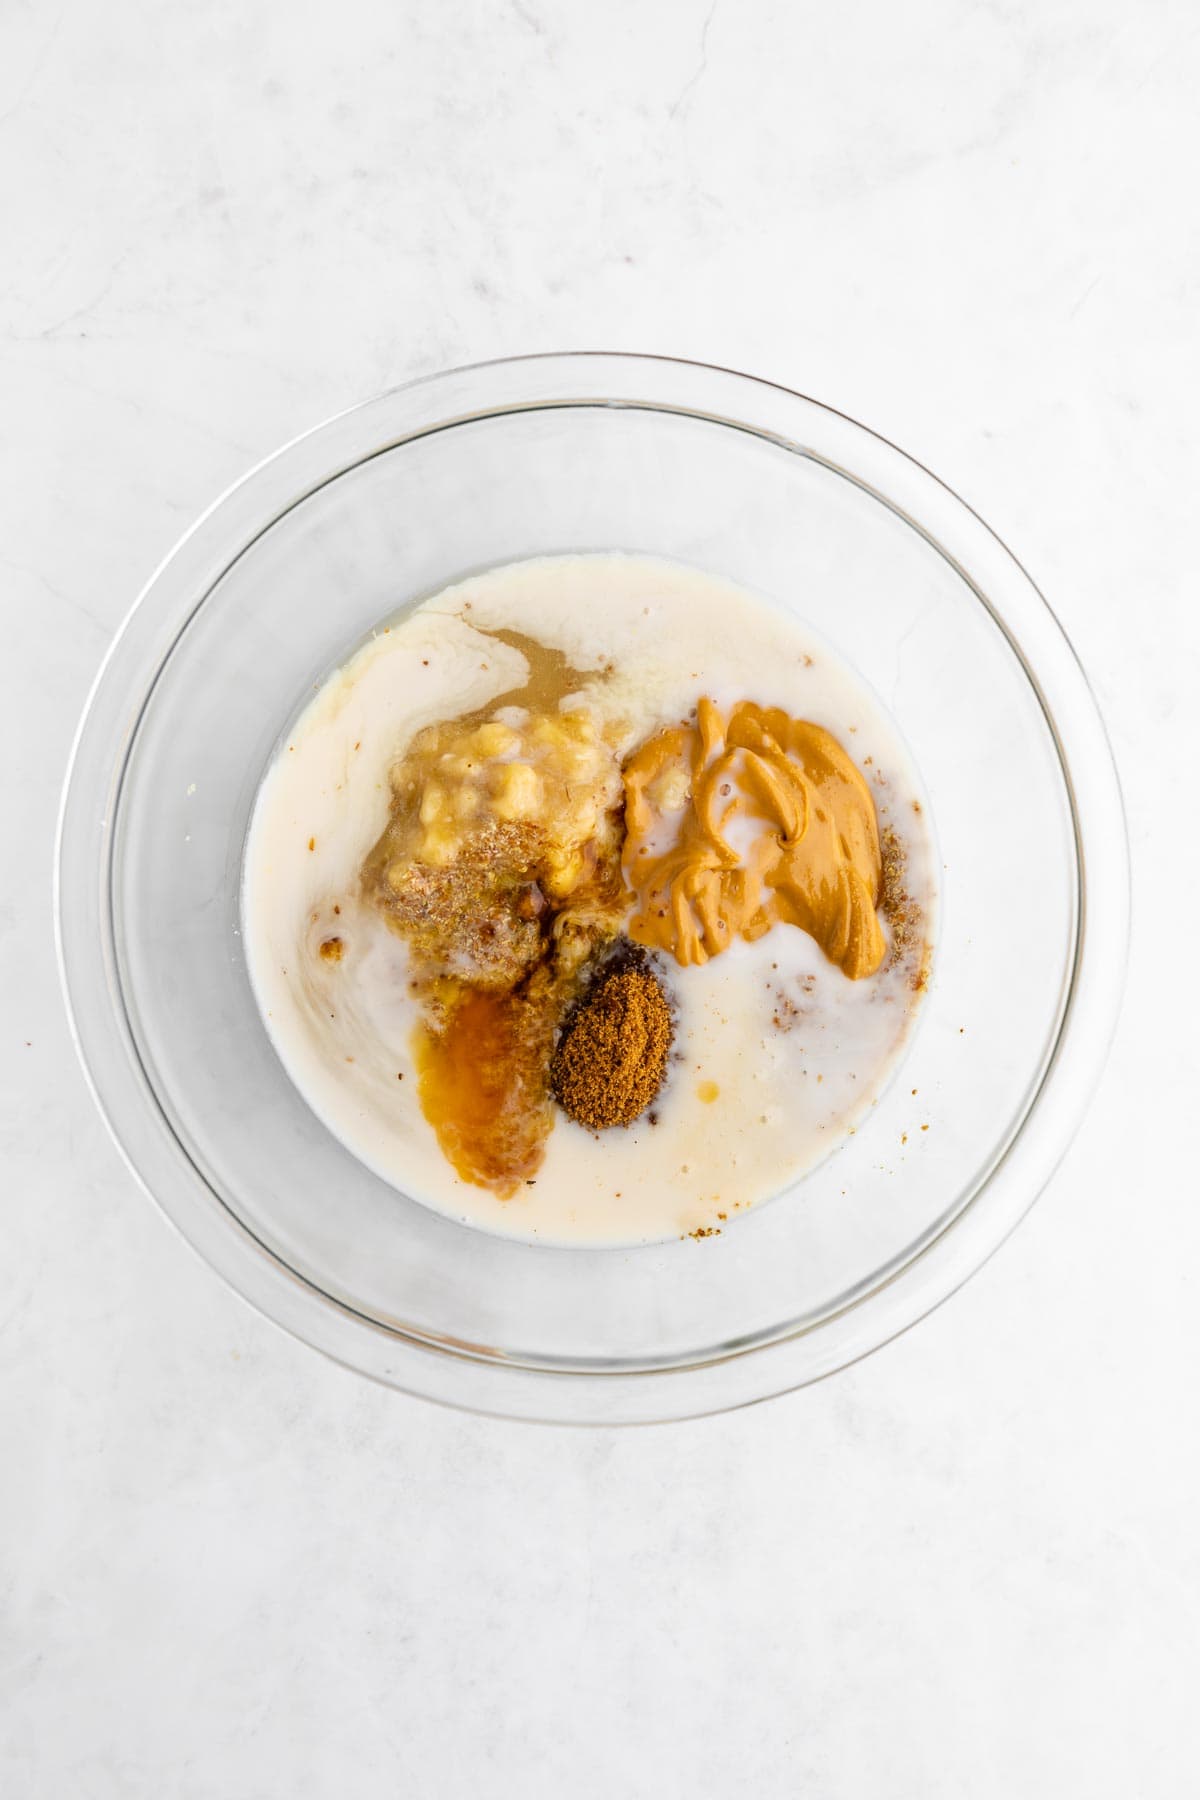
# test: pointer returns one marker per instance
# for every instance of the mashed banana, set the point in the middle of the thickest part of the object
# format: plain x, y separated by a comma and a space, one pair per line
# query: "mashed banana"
494, 824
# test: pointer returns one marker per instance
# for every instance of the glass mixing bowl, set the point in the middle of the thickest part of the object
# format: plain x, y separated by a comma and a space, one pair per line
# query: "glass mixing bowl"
480, 466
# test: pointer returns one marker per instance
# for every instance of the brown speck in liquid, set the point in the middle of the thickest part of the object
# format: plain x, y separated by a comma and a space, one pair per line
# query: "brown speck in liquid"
336, 907
312, 843
924, 1128
331, 950
904, 1137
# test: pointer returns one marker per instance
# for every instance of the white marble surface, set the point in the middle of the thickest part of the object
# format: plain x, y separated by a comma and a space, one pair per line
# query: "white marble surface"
968, 1567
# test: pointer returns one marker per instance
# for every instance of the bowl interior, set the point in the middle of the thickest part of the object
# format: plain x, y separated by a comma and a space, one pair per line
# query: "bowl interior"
400, 522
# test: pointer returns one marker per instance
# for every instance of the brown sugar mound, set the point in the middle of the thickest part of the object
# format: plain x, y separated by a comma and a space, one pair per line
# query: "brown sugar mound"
612, 1057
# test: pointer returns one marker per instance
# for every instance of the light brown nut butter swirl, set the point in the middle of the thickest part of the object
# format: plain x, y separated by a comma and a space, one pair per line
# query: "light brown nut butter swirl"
814, 863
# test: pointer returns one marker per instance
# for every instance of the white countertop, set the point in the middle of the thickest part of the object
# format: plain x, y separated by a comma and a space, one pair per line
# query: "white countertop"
967, 1567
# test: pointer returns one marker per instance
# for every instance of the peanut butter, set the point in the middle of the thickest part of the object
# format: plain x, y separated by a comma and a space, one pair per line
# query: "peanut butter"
814, 861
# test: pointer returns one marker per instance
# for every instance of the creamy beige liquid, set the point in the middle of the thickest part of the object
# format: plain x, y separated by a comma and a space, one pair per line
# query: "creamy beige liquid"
778, 1054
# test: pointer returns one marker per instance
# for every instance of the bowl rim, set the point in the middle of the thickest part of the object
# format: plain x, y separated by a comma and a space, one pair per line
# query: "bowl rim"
740, 1376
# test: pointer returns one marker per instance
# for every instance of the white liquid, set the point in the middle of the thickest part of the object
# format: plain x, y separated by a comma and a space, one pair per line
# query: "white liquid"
796, 1052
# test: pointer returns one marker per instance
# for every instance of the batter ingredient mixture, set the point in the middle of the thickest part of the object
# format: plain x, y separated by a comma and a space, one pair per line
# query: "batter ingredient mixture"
502, 862
477, 813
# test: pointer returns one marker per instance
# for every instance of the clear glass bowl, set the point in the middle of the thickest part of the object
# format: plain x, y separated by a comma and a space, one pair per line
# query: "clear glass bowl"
480, 466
